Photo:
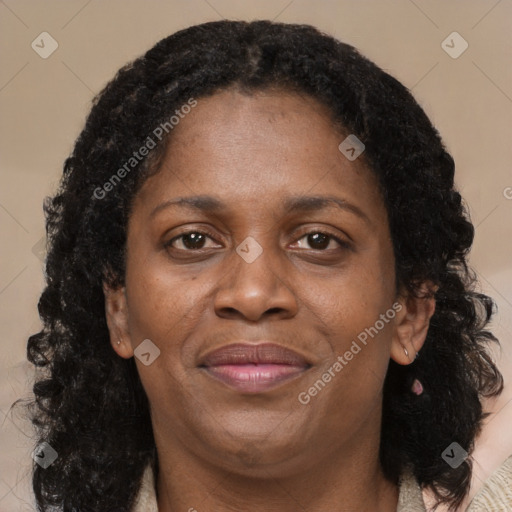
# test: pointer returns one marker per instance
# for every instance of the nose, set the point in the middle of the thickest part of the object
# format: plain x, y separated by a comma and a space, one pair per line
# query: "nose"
253, 290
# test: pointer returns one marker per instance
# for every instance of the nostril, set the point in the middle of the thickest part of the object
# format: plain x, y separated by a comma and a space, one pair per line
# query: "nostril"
230, 311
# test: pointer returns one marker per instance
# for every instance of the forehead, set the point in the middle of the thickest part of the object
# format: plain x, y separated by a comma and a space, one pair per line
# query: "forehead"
257, 146
254, 118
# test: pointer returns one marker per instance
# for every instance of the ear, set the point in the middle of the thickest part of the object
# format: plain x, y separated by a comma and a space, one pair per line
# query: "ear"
412, 322
116, 312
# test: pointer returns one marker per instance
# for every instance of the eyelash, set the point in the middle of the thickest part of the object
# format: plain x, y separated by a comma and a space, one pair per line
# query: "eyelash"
343, 244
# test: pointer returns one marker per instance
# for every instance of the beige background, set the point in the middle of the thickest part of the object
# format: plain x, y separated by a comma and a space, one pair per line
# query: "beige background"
43, 103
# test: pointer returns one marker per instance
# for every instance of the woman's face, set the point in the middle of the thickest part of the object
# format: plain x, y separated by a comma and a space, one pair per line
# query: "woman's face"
257, 277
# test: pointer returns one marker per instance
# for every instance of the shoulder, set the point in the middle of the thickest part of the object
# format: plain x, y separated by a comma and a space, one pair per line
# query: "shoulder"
410, 497
496, 493
146, 499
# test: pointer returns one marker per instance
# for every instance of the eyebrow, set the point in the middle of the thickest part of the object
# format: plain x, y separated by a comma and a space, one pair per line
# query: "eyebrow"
312, 203
210, 204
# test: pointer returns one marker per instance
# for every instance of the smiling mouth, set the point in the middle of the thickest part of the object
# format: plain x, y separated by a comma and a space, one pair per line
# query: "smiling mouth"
254, 368
254, 378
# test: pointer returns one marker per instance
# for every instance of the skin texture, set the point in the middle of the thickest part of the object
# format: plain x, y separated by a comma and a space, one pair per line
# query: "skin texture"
220, 449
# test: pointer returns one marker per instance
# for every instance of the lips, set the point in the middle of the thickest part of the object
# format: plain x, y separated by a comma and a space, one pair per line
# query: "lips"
253, 368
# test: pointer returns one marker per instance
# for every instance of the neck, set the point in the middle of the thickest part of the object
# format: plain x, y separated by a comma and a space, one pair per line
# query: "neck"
340, 481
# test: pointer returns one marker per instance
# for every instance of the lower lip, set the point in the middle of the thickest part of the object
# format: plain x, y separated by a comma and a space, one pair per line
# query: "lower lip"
252, 378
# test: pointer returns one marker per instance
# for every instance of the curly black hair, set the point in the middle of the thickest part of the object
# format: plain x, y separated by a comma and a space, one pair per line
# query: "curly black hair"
89, 403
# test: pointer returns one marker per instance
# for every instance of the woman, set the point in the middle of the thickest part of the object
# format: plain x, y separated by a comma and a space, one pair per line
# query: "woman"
257, 292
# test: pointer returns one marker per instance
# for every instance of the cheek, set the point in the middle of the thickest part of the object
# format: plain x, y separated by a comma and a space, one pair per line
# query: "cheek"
162, 308
353, 299
158, 300
350, 310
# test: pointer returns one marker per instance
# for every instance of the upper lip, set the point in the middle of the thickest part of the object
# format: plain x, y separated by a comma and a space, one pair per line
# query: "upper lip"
261, 353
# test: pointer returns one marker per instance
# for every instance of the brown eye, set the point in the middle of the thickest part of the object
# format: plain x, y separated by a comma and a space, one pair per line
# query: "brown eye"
320, 241
190, 241
193, 240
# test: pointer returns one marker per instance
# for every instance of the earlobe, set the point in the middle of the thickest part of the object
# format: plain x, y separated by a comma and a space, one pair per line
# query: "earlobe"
116, 313
412, 323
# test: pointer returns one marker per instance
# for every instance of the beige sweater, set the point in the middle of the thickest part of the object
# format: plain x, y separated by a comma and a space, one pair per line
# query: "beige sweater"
494, 496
